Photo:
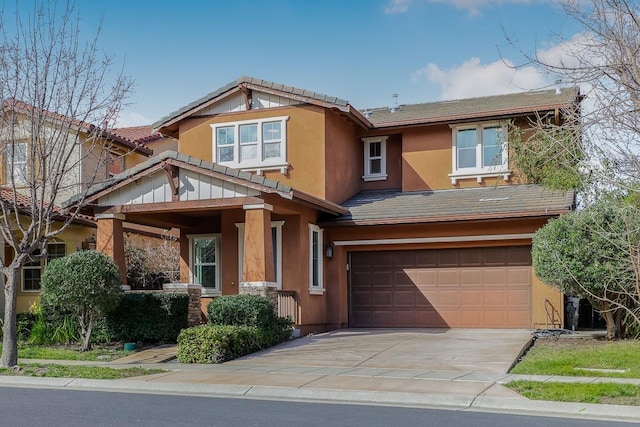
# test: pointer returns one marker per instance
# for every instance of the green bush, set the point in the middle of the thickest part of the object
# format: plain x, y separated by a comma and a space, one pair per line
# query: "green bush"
84, 283
242, 310
251, 310
216, 344
148, 317
24, 324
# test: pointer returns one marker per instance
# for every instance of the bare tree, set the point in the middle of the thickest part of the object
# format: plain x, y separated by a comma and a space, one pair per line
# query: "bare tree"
604, 61
59, 95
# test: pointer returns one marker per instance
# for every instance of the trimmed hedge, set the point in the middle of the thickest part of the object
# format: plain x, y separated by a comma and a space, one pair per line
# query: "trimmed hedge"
216, 344
241, 310
250, 310
148, 317
238, 325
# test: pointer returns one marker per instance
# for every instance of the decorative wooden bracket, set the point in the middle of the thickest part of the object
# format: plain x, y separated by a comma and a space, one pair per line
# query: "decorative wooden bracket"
248, 96
174, 179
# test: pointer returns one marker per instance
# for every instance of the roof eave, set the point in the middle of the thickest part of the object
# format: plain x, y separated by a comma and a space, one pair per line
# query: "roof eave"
497, 114
449, 218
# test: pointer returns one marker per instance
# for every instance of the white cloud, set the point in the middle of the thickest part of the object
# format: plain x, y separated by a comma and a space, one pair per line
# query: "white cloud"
397, 6
471, 6
472, 78
129, 119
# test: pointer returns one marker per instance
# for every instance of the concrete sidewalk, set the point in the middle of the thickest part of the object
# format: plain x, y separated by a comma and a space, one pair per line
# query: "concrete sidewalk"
454, 390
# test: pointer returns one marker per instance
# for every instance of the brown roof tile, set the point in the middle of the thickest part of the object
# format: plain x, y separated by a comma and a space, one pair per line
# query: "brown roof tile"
488, 106
395, 206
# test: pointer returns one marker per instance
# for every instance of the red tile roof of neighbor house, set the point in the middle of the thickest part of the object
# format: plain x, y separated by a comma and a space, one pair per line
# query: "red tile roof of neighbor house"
23, 204
138, 134
25, 108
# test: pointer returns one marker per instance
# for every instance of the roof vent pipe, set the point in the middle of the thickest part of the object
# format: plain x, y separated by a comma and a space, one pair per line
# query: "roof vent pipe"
558, 82
394, 107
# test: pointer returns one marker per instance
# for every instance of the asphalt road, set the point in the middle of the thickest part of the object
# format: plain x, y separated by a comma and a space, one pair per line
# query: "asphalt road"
37, 407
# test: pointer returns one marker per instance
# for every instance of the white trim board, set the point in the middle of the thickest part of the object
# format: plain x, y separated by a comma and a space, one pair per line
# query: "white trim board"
446, 239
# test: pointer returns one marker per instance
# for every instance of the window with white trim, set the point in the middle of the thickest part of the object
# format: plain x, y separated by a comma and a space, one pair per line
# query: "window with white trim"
478, 151
315, 260
259, 144
204, 262
276, 240
17, 163
375, 158
32, 271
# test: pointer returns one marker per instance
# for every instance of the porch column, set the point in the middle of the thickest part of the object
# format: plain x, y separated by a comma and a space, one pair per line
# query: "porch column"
110, 240
257, 263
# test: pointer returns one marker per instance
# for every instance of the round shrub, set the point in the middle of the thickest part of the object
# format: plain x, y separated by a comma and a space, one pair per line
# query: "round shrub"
84, 283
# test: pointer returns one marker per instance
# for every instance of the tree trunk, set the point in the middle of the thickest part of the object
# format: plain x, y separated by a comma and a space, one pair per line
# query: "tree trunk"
605, 310
10, 338
86, 326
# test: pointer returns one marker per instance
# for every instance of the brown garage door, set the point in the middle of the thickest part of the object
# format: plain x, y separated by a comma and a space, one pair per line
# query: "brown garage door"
471, 287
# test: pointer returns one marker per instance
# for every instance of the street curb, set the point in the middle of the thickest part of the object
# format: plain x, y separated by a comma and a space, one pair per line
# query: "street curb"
322, 395
544, 407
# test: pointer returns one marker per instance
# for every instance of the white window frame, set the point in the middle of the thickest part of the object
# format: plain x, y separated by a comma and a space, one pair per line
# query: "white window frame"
368, 175
41, 265
316, 289
479, 172
278, 227
14, 165
206, 291
259, 164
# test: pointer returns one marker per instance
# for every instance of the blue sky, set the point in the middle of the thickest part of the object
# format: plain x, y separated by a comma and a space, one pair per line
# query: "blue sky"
360, 50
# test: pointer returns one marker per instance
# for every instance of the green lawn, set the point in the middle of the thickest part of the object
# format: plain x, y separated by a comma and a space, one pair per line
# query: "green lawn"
575, 357
618, 394
580, 357
89, 372
68, 353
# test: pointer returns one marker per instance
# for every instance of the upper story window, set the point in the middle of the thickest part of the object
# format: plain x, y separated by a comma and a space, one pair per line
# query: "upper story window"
375, 158
479, 151
258, 145
17, 163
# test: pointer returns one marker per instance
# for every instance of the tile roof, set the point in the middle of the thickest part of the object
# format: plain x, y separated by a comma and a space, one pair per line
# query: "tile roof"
524, 102
395, 206
193, 161
254, 82
138, 134
27, 109
24, 205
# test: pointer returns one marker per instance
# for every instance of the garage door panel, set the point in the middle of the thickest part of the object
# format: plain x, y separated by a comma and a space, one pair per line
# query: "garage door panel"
383, 299
471, 276
470, 287
518, 276
447, 277
469, 298
405, 298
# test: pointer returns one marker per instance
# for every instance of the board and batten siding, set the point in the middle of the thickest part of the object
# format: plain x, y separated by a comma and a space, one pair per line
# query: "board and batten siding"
193, 186
235, 103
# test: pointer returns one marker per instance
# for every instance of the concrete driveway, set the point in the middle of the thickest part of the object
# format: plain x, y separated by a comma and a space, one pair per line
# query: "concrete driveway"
469, 350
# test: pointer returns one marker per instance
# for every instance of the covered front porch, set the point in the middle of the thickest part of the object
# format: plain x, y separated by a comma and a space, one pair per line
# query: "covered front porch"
238, 233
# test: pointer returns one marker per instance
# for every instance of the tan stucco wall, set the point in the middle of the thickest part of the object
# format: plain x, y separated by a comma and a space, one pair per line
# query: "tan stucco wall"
305, 143
73, 238
344, 164
541, 293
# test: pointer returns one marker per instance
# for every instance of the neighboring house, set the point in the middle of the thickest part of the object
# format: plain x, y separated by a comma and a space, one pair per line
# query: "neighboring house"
123, 153
407, 216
